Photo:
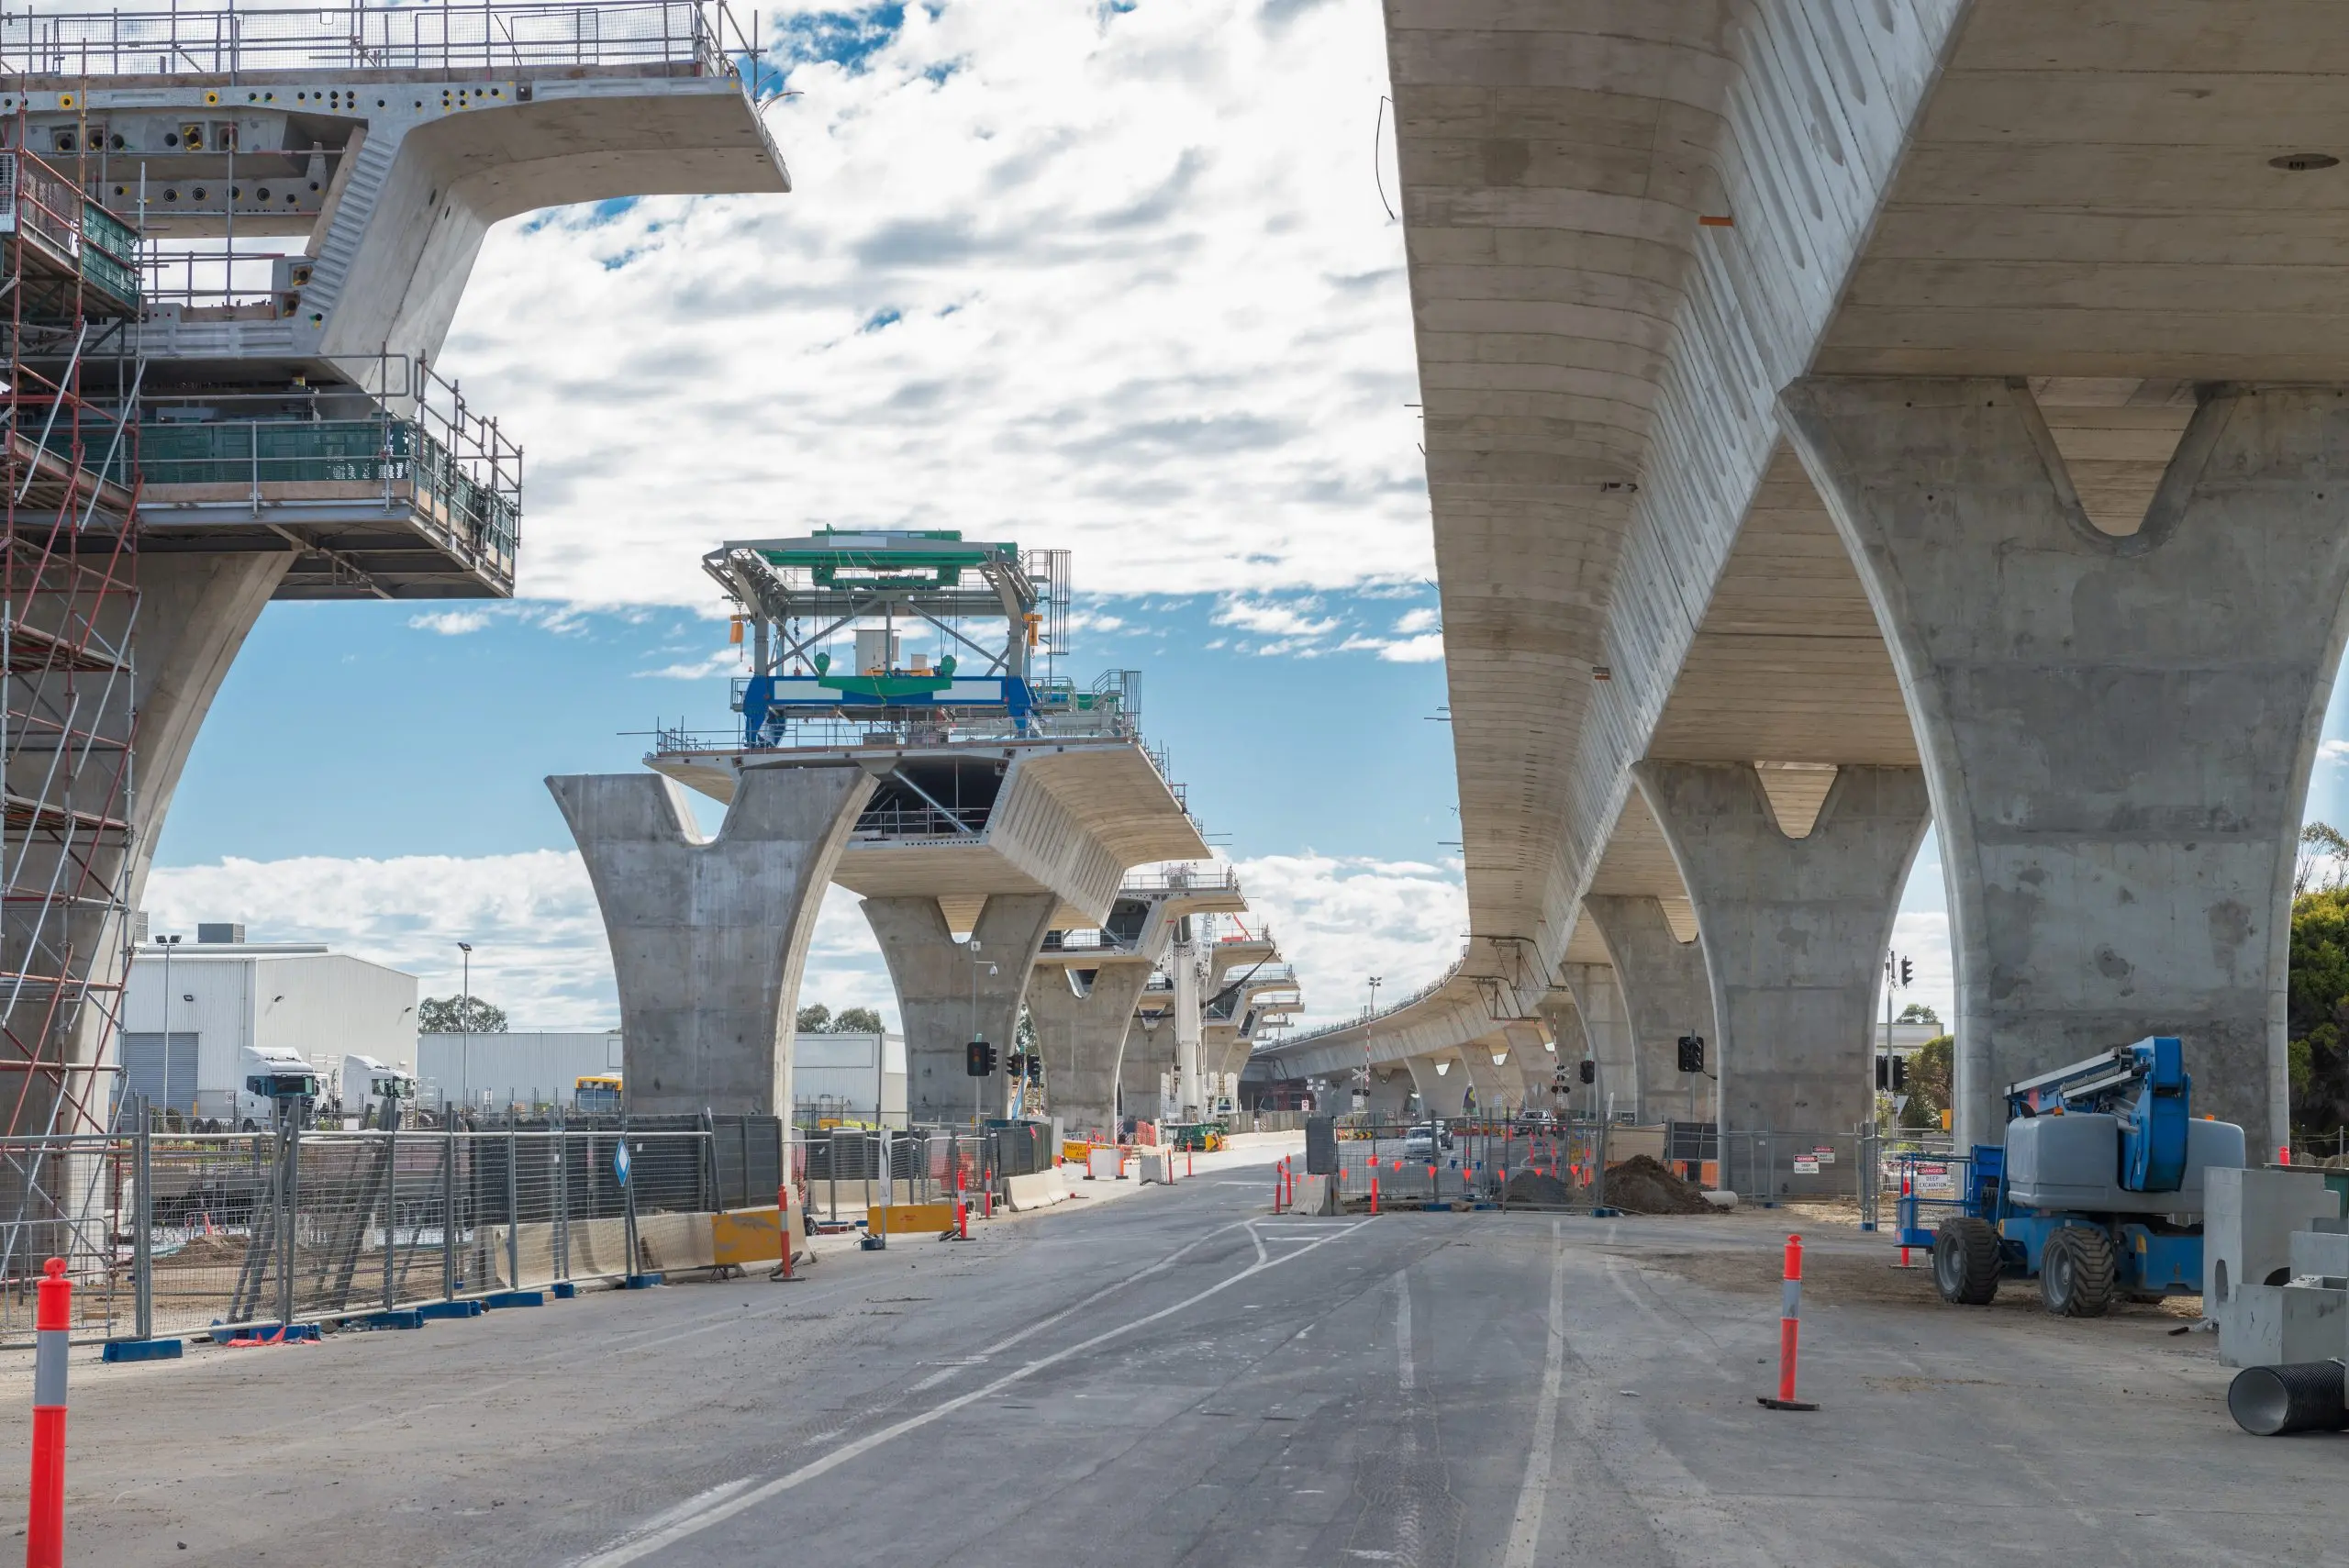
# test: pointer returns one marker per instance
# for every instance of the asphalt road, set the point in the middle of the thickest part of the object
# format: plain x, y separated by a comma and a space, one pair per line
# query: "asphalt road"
1180, 1377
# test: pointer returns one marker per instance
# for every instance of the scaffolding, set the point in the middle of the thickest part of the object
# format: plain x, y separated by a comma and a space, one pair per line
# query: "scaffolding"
69, 375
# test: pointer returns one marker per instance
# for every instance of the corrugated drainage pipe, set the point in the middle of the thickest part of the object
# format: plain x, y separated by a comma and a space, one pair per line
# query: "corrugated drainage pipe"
2270, 1401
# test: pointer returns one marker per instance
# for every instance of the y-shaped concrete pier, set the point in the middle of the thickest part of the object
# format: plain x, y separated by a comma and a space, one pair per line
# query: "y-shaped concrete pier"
1795, 932
708, 937
951, 993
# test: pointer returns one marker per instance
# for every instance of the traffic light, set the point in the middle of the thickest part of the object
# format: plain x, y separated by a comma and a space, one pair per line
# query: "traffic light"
1883, 1072
979, 1060
1589, 1071
1908, 974
1891, 1072
1899, 1074
1692, 1053
1035, 1068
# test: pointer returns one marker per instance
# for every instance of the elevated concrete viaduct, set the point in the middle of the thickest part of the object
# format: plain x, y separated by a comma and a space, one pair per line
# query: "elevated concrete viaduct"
1083, 999
962, 902
387, 141
1940, 386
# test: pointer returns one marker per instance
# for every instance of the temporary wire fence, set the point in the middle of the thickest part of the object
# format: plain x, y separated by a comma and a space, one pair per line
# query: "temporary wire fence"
846, 1171
172, 1233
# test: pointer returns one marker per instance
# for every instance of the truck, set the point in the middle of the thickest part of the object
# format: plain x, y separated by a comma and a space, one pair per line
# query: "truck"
2096, 1190
273, 1076
367, 1084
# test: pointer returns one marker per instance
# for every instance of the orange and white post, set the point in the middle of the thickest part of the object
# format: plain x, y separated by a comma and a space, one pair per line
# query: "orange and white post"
54, 1325
1789, 1326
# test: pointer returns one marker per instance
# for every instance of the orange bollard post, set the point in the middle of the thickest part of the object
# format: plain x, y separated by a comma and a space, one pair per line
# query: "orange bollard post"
782, 1231
1373, 1190
962, 1221
1789, 1323
54, 1325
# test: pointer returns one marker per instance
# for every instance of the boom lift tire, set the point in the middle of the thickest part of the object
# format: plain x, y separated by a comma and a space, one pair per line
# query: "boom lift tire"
1966, 1262
2076, 1272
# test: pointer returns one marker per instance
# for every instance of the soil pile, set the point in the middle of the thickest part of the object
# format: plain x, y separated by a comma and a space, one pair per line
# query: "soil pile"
1531, 1189
1640, 1185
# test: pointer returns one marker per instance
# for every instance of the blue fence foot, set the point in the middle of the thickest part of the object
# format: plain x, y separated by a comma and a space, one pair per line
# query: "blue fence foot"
1603, 1212
399, 1317
141, 1351
564, 1290
639, 1282
432, 1309
514, 1298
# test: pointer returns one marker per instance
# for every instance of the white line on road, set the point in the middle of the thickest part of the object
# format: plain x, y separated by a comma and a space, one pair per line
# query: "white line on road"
643, 1545
1403, 1369
1533, 1497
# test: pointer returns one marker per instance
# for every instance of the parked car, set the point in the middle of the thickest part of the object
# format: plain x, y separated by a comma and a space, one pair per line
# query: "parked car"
1425, 1140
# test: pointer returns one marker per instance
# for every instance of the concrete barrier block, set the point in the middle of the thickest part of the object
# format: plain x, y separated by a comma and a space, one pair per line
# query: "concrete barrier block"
668, 1242
2248, 1224
1105, 1165
1038, 1191
2273, 1324
1151, 1165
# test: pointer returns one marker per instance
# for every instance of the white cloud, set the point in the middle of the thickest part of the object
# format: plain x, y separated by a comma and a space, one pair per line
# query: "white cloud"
1425, 649
726, 662
450, 623
1141, 302
2334, 751
1267, 617
1425, 618
1342, 919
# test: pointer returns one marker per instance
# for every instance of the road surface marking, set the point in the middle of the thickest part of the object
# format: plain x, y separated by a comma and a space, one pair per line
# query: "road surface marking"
1533, 1496
647, 1542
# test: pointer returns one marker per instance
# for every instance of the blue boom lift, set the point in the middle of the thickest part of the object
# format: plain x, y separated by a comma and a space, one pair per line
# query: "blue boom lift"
2096, 1192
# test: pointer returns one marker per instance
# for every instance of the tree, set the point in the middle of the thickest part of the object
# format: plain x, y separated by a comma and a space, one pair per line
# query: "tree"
2317, 1011
1930, 1074
2323, 860
857, 1020
459, 1015
814, 1018
1918, 1013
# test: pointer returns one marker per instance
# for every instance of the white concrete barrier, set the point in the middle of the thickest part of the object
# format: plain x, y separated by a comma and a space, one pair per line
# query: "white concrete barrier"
1153, 1165
1105, 1165
1041, 1190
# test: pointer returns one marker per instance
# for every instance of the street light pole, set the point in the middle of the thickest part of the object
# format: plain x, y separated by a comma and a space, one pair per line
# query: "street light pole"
465, 1021
978, 1085
167, 944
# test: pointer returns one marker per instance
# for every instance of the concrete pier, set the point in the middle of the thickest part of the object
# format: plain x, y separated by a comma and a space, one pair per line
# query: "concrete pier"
2118, 728
1795, 932
708, 937
1082, 1018
949, 993
1668, 993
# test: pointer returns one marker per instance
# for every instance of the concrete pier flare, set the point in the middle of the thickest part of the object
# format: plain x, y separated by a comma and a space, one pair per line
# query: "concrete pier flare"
1082, 1018
1668, 993
950, 992
1795, 932
2118, 726
708, 937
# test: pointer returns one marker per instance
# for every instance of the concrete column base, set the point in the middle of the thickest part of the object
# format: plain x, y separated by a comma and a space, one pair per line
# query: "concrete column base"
1668, 993
708, 937
1083, 1037
1795, 931
2118, 729
949, 995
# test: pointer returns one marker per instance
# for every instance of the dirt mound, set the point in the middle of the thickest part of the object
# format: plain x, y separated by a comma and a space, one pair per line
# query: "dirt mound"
1531, 1189
1640, 1185
204, 1251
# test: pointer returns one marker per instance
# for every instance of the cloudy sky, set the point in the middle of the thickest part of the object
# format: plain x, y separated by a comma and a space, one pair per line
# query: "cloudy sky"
1113, 277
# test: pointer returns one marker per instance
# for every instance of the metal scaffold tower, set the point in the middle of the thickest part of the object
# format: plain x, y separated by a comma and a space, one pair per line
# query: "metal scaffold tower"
69, 611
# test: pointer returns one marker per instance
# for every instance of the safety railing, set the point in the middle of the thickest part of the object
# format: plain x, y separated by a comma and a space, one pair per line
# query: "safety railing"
43, 206
81, 39
171, 1232
418, 442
